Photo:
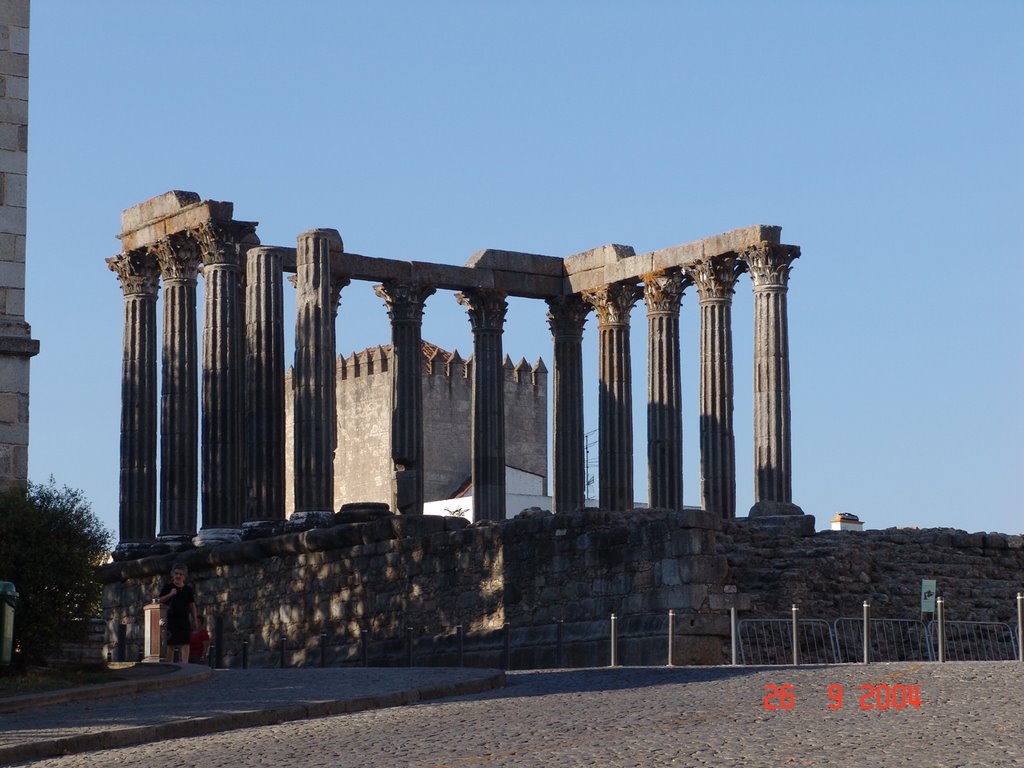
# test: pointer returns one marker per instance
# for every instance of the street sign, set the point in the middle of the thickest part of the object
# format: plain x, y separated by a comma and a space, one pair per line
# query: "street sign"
928, 592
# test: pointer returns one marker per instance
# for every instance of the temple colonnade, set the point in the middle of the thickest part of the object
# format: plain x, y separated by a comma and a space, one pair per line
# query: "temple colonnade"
238, 412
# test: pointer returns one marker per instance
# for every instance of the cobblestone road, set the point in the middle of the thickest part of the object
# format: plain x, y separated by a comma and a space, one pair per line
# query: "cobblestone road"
971, 714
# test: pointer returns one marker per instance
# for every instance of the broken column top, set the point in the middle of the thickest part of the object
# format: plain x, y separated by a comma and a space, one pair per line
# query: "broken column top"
156, 208
166, 214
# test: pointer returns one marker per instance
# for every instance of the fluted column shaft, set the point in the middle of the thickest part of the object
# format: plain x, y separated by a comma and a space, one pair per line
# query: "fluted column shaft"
139, 276
715, 280
314, 375
566, 317
223, 396
405, 308
769, 268
487, 310
615, 399
179, 400
264, 385
663, 294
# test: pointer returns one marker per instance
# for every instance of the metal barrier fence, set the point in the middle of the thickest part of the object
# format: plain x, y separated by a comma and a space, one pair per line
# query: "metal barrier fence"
650, 638
770, 641
975, 640
890, 640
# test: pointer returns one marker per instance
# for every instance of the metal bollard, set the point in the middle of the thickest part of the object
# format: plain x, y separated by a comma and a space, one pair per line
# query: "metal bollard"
408, 646
284, 642
941, 627
614, 660
460, 636
364, 640
1020, 626
867, 632
733, 626
245, 654
560, 641
671, 633
323, 649
796, 640
508, 646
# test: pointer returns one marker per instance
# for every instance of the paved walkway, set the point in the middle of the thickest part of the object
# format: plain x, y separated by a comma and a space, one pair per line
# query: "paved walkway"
970, 714
196, 700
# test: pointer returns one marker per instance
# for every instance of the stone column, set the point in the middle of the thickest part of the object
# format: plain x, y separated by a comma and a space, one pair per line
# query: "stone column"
139, 276
314, 379
715, 280
487, 310
663, 294
264, 388
615, 405
178, 257
222, 248
769, 267
405, 308
566, 317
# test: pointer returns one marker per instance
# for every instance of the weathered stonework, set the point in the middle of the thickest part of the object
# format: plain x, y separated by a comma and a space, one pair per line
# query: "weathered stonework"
830, 574
433, 573
16, 343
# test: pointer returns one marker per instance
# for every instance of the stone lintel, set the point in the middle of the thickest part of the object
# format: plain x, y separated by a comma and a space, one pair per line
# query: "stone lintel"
609, 264
156, 208
442, 276
514, 261
186, 218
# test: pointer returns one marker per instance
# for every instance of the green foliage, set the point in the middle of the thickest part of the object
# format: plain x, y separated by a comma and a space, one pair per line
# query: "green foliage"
50, 546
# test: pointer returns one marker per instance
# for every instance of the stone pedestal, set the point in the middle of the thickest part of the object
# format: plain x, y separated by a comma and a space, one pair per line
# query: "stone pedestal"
405, 309
715, 280
615, 401
152, 651
487, 310
566, 317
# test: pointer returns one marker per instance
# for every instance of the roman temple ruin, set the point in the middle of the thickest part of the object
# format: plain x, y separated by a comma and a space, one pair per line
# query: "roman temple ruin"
233, 428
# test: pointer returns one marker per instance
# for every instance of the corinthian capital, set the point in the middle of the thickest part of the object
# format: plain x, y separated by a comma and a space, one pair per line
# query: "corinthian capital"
224, 243
137, 272
566, 315
663, 291
769, 265
613, 302
178, 257
404, 301
716, 277
486, 308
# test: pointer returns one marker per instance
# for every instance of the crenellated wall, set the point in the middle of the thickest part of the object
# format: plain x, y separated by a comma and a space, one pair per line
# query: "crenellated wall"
365, 403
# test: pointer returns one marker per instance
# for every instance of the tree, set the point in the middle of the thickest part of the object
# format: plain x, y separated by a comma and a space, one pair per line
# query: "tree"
50, 546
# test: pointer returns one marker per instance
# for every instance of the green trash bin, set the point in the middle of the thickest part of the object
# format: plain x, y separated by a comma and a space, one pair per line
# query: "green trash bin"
8, 598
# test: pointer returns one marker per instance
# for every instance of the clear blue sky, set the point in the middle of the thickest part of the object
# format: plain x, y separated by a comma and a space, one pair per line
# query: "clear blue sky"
885, 139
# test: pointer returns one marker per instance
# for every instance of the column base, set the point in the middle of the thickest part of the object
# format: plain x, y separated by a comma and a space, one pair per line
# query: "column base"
172, 542
209, 537
303, 521
136, 550
774, 509
262, 529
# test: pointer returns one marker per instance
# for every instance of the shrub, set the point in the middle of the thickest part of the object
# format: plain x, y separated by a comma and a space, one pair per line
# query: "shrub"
50, 546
